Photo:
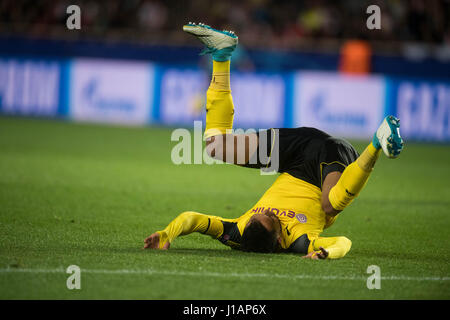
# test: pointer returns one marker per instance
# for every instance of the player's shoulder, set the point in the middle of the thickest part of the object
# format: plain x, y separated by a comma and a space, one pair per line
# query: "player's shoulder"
231, 236
300, 244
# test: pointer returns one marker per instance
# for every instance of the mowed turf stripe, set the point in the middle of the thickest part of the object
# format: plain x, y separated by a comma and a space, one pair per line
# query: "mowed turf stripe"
223, 275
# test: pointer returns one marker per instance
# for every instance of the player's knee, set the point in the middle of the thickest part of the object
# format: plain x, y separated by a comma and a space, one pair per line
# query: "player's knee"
327, 207
215, 147
210, 150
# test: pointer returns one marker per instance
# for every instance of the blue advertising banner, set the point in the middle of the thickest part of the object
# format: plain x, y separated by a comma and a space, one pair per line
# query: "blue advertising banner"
259, 99
140, 93
342, 105
111, 91
33, 87
182, 94
422, 106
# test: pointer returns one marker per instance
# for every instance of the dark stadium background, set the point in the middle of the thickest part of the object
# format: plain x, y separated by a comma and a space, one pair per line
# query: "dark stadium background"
279, 35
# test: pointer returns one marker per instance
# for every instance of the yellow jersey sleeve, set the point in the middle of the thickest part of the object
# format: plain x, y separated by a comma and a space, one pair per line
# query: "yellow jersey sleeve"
337, 247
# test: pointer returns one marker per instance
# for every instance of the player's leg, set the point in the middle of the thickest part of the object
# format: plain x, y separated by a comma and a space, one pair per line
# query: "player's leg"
340, 190
219, 102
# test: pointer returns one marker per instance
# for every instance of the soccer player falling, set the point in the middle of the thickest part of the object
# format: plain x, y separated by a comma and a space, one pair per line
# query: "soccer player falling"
319, 175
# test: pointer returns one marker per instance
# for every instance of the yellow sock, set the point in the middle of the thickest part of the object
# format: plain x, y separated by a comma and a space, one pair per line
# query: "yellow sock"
219, 103
220, 79
353, 179
367, 159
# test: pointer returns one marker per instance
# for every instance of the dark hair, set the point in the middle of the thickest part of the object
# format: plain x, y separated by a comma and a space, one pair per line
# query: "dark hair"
256, 238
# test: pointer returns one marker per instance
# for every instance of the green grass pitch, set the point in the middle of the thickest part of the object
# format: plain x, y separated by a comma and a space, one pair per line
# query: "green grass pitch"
88, 195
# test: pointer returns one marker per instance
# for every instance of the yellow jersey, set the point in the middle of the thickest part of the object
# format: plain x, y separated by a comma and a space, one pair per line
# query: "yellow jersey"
296, 203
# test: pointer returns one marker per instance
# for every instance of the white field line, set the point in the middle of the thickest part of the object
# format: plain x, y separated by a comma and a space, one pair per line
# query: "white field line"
222, 275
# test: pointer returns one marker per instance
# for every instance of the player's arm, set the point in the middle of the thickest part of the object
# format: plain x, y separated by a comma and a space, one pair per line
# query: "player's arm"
186, 223
328, 248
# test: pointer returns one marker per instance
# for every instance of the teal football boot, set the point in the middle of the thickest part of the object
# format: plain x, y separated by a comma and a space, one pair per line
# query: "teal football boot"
220, 44
388, 137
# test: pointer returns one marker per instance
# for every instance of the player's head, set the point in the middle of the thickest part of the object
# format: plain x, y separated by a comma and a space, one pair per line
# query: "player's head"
262, 233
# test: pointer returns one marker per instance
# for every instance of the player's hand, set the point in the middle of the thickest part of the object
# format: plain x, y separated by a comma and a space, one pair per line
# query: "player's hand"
152, 242
316, 255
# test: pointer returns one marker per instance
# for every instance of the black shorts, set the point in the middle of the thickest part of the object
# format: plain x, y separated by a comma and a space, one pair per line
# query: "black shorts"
306, 153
